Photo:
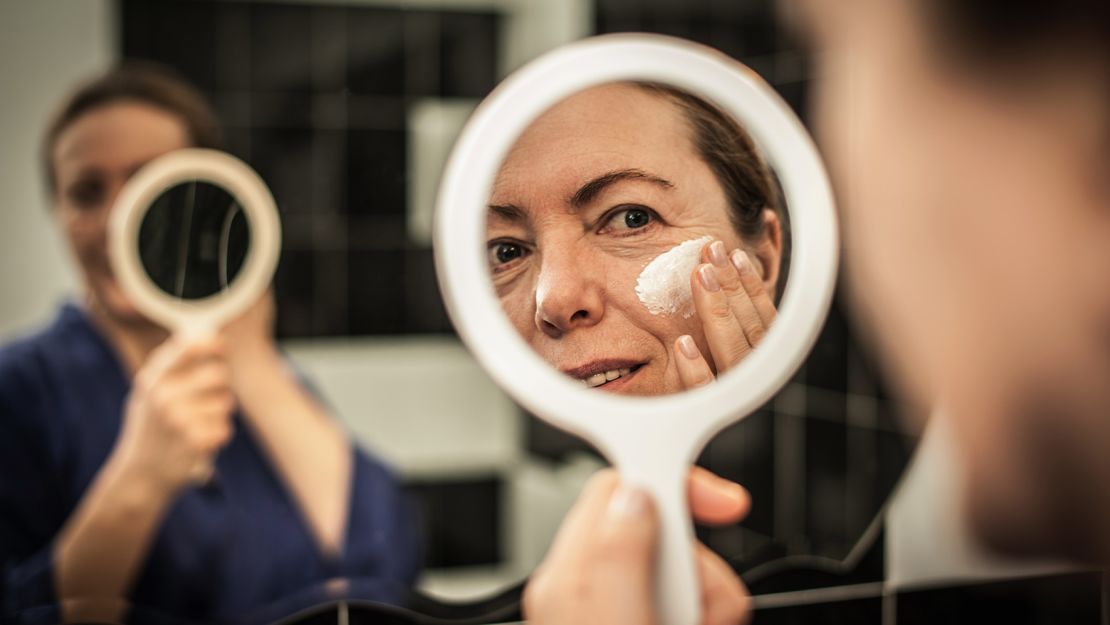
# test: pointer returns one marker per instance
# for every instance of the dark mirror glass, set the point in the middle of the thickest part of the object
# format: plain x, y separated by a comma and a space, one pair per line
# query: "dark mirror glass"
194, 239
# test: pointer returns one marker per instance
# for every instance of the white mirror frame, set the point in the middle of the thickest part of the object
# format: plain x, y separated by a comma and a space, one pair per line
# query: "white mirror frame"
135, 199
650, 440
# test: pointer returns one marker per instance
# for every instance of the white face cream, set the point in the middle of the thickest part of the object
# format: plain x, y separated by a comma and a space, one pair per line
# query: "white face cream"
664, 285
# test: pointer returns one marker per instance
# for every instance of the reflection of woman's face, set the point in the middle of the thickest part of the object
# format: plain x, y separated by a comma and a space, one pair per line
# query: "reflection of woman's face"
93, 157
594, 190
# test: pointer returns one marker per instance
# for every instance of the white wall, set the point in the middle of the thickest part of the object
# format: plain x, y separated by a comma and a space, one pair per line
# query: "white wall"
928, 538
45, 47
421, 403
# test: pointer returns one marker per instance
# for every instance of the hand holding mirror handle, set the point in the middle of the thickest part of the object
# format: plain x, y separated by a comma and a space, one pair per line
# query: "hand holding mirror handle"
660, 467
194, 239
735, 310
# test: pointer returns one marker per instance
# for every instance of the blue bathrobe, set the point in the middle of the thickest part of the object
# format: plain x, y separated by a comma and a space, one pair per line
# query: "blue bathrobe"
223, 552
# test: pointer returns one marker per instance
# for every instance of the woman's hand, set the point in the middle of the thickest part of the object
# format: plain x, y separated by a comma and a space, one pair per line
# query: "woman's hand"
177, 418
735, 311
600, 567
178, 415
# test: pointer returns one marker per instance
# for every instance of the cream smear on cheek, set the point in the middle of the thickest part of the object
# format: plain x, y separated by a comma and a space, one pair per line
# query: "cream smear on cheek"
664, 285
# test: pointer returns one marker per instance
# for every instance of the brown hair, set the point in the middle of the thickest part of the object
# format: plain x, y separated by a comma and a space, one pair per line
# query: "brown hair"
138, 81
1011, 30
748, 182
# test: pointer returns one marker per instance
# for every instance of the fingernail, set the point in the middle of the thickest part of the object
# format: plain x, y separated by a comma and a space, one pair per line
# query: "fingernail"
628, 504
688, 347
741, 261
728, 488
717, 254
708, 278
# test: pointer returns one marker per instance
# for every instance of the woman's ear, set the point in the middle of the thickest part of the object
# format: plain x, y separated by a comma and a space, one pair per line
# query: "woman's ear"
768, 252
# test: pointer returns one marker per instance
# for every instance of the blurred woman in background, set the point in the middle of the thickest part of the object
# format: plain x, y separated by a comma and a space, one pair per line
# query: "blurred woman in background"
199, 479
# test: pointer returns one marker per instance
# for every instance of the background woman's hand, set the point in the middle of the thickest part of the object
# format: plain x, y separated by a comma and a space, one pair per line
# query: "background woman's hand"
178, 415
735, 311
600, 567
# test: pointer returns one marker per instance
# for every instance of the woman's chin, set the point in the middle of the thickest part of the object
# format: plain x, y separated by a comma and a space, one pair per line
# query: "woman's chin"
118, 307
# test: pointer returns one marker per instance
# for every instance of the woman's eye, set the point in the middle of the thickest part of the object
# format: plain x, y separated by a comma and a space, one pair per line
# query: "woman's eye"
631, 218
502, 253
87, 194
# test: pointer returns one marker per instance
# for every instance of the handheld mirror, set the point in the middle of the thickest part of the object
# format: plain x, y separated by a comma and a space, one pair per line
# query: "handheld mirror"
594, 166
194, 239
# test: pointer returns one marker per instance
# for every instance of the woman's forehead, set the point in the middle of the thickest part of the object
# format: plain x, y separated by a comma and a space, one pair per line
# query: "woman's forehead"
604, 129
615, 114
119, 135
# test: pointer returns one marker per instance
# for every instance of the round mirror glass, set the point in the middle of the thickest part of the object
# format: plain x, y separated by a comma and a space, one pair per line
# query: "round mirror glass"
193, 240
637, 239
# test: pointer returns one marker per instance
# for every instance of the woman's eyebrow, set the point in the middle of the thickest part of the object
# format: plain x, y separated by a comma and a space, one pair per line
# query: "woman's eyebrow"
587, 192
507, 212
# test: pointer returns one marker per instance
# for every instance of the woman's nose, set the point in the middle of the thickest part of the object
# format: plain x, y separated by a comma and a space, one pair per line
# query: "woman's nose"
569, 293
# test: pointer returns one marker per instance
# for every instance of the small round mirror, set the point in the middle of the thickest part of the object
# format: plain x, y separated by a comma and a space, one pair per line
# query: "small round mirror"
194, 239
571, 149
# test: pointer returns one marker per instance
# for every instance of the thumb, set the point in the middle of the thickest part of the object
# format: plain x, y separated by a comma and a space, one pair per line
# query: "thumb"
715, 500
626, 549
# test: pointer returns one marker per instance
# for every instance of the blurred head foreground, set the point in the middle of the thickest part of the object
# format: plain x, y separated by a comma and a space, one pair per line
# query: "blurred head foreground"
971, 143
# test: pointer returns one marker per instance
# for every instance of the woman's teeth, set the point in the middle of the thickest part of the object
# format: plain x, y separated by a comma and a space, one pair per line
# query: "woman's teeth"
598, 379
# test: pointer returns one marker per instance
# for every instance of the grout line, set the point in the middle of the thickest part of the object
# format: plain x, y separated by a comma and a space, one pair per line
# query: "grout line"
1105, 599
817, 595
789, 472
890, 608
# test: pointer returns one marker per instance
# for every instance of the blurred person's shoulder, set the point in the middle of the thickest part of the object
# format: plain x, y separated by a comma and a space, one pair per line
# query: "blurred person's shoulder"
39, 366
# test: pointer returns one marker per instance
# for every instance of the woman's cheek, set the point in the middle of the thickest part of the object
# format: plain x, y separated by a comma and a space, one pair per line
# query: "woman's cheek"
691, 326
84, 228
92, 252
515, 295
85, 231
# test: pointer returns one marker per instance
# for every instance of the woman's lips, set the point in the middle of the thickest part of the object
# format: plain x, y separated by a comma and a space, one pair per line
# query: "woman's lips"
605, 374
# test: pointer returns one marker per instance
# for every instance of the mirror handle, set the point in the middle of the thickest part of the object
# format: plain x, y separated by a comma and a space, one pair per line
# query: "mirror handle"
678, 596
194, 329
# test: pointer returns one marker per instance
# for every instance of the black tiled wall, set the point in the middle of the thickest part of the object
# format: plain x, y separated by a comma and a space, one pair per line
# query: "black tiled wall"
461, 520
315, 97
1071, 598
